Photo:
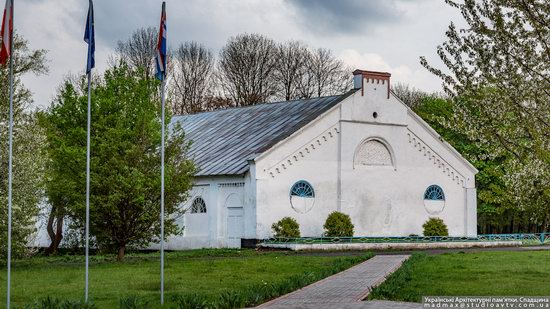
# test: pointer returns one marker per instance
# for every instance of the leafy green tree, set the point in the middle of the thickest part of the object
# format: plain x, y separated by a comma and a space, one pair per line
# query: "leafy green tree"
497, 71
28, 140
125, 160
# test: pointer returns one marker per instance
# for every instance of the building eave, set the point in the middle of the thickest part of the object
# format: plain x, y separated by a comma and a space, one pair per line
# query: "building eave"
438, 137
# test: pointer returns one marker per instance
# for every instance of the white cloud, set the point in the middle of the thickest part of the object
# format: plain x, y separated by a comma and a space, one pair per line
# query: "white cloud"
370, 37
57, 31
401, 73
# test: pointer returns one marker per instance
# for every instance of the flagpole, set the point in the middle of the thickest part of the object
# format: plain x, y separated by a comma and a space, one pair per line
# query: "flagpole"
10, 160
89, 37
162, 197
88, 184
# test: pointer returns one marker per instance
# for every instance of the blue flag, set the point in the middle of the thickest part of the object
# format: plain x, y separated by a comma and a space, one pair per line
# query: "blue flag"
89, 37
161, 46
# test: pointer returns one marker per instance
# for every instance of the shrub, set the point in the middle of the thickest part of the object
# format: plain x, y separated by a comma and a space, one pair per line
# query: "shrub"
232, 299
195, 301
132, 302
56, 303
286, 227
435, 227
338, 225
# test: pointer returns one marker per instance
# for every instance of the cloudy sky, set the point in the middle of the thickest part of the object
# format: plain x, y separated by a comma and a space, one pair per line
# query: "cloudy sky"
386, 35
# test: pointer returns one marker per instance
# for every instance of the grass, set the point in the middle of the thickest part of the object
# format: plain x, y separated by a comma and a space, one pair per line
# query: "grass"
500, 273
238, 277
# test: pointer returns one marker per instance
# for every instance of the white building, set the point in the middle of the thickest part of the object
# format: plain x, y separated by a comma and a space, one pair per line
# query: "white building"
363, 153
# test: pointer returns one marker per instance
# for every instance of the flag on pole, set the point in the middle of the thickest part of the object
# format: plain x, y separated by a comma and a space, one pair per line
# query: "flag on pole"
161, 46
161, 75
6, 33
89, 37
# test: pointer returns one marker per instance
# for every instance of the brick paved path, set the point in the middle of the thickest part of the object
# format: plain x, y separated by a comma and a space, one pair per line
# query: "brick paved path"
345, 289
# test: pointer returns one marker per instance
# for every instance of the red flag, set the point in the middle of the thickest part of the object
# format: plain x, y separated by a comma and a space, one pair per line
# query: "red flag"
6, 33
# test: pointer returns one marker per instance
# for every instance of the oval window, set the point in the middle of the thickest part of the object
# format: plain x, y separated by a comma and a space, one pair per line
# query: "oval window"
302, 196
434, 200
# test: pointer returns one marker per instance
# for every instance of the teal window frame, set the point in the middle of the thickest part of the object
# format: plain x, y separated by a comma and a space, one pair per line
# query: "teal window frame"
434, 193
302, 188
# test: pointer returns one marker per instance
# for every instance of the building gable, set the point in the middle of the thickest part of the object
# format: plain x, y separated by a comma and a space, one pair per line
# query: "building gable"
377, 104
374, 105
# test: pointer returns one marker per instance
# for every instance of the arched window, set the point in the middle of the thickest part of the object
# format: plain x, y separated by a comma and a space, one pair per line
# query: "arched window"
198, 206
434, 193
373, 153
302, 188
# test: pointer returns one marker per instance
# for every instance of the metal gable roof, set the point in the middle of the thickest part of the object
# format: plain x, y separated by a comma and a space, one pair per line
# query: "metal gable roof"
224, 140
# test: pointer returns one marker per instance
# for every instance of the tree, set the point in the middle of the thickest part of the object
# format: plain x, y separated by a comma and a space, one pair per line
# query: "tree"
28, 140
246, 68
192, 82
495, 204
57, 203
125, 160
411, 96
496, 207
324, 75
139, 50
498, 76
290, 69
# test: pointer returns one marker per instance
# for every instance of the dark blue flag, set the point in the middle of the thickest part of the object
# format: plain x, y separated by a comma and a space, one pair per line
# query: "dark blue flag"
89, 37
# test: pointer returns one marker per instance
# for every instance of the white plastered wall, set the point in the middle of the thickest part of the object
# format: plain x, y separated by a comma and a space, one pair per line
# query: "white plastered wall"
381, 200
311, 154
210, 230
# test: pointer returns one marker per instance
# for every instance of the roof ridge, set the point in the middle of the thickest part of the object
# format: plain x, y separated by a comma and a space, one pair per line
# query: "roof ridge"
262, 104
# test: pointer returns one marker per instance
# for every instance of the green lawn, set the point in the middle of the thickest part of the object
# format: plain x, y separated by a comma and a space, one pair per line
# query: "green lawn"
254, 276
469, 274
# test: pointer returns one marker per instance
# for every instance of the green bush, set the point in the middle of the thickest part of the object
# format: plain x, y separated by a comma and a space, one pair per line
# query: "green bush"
132, 302
435, 227
56, 303
232, 299
192, 301
287, 227
338, 225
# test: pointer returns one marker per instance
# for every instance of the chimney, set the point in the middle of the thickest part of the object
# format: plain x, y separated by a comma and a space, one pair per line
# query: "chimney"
360, 77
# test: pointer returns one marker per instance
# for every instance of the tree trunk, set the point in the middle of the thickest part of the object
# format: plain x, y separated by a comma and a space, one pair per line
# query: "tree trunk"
121, 250
55, 237
59, 232
51, 233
